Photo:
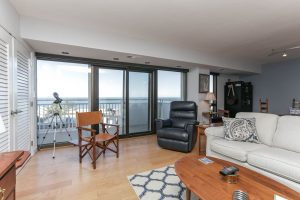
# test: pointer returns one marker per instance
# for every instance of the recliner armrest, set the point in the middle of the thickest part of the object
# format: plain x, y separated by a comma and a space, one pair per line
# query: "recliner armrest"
215, 131
162, 123
190, 124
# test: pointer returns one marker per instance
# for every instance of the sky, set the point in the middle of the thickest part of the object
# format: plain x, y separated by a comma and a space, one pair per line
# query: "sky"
71, 80
67, 79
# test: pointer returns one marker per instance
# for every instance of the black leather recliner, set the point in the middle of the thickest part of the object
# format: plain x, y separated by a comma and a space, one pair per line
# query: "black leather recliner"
179, 132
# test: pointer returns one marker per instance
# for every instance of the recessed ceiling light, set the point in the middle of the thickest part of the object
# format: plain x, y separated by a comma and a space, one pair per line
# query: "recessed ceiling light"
284, 55
178, 66
116, 58
65, 53
130, 56
147, 62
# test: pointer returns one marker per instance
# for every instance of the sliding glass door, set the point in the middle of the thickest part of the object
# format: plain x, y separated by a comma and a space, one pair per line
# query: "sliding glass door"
125, 99
139, 101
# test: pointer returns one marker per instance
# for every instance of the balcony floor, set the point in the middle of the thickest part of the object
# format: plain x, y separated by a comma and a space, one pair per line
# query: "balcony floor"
65, 178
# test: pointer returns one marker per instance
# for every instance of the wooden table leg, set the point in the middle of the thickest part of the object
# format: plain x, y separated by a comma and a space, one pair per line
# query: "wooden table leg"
199, 142
188, 194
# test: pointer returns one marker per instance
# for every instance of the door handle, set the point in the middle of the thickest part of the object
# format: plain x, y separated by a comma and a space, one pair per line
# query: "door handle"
15, 112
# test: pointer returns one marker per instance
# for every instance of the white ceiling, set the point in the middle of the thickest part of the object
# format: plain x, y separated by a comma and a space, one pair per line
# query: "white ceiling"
235, 29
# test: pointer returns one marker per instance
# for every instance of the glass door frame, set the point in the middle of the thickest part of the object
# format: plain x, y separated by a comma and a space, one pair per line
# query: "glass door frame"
151, 103
152, 96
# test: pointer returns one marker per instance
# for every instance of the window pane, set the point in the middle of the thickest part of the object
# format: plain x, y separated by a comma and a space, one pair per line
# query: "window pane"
211, 83
139, 102
70, 81
111, 97
169, 88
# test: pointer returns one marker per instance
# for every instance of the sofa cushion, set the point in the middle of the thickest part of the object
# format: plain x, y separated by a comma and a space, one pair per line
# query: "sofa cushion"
234, 149
173, 133
265, 125
238, 129
277, 161
287, 135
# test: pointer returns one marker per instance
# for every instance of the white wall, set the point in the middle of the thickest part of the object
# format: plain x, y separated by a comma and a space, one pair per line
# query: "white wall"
10, 22
194, 95
193, 91
222, 79
9, 18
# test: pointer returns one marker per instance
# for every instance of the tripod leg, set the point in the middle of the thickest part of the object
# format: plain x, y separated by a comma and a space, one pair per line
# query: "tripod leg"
54, 138
65, 127
47, 131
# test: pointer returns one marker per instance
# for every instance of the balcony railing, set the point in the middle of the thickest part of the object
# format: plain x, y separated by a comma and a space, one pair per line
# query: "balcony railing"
112, 109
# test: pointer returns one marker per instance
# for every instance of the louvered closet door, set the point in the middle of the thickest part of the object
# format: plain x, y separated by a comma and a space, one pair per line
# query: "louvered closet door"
4, 95
21, 111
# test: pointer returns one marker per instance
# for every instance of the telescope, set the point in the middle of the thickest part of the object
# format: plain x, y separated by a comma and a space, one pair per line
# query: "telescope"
55, 119
57, 99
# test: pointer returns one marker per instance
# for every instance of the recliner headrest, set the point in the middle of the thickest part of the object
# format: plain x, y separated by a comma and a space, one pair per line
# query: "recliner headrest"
183, 106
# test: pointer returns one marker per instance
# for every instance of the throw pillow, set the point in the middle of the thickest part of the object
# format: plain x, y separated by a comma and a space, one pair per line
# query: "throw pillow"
240, 129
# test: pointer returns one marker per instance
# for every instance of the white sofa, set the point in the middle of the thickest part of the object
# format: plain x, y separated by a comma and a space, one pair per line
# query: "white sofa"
278, 154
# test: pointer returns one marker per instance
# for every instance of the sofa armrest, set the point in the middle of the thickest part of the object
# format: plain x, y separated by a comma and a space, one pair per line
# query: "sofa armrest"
215, 131
212, 133
162, 123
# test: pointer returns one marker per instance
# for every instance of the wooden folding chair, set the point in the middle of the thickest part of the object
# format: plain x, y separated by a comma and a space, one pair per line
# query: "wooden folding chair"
88, 144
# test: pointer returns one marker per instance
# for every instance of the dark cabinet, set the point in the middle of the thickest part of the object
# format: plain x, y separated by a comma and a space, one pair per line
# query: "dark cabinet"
238, 97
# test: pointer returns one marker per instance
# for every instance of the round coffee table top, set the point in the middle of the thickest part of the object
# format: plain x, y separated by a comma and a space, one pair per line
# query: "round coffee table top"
206, 183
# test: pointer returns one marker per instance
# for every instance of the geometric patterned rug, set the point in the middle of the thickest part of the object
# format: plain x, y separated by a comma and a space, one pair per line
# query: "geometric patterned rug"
158, 184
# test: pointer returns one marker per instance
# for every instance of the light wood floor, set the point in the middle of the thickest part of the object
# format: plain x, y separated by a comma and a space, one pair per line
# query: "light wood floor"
65, 178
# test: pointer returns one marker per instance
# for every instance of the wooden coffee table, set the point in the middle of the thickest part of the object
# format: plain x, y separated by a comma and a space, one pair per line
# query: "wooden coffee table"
206, 183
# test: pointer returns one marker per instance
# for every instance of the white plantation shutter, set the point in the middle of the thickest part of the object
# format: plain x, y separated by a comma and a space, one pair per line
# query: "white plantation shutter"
4, 101
15, 91
22, 121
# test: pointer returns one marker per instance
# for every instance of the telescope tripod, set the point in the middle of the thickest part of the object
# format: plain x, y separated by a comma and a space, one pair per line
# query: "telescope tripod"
55, 117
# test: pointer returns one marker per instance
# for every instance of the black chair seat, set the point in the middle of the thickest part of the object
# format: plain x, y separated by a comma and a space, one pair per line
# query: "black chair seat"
173, 133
